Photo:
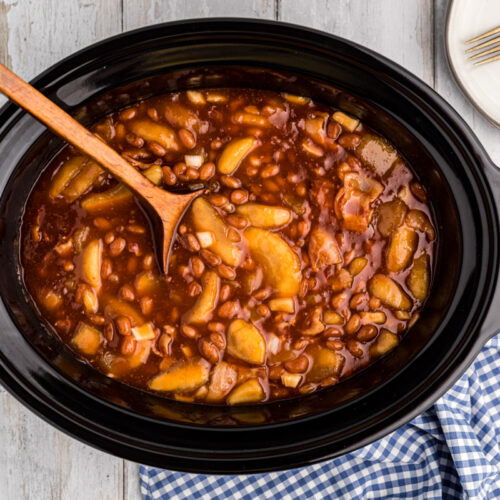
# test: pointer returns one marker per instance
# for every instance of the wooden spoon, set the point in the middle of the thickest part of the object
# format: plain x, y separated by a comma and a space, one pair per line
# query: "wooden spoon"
164, 208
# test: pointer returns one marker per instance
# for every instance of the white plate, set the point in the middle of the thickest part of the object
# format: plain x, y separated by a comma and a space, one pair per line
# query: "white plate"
481, 84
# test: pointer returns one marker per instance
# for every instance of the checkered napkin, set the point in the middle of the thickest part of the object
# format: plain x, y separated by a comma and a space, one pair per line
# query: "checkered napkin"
450, 451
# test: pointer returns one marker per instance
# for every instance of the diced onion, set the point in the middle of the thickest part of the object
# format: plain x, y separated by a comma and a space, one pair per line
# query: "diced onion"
284, 304
290, 379
194, 161
144, 332
206, 238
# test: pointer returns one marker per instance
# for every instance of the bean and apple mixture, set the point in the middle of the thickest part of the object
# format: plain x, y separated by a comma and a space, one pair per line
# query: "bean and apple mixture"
307, 257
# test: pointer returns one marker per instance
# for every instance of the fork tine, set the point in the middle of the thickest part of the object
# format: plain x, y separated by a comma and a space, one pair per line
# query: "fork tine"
490, 59
485, 53
484, 44
484, 35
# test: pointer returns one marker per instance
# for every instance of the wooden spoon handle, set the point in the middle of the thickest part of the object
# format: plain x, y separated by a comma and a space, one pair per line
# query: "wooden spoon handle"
69, 129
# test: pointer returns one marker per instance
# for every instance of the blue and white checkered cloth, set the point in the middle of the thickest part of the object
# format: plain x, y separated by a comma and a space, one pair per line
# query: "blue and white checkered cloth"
450, 451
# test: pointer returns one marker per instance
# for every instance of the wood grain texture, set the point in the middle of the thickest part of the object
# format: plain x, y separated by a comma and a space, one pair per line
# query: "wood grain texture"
37, 461
399, 30
141, 13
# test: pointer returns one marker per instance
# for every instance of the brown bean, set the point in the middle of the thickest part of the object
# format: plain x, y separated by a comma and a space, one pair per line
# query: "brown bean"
269, 171
132, 265
210, 258
333, 332
97, 319
128, 114
216, 326
146, 304
262, 294
192, 173
194, 289
217, 200
187, 138
239, 196
128, 345
358, 301
189, 331
134, 140
209, 351
354, 347
207, 170
109, 237
298, 365
349, 141
123, 325
228, 309
333, 130
192, 242
197, 266
237, 221
168, 176
367, 333
334, 345
218, 340
418, 191
102, 224
374, 303
106, 268
301, 189
230, 181
225, 292
180, 168
353, 324
148, 261
117, 246
153, 114
157, 149
127, 293
263, 310
135, 229
226, 272
251, 171
182, 229
109, 331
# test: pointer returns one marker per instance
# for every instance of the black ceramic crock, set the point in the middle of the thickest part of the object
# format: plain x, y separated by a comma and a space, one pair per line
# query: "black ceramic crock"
459, 316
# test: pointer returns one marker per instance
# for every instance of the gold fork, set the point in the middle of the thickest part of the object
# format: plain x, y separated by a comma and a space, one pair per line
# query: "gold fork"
492, 41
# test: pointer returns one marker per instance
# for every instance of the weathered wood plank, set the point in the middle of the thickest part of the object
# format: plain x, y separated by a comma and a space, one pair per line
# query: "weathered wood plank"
137, 14
448, 88
38, 461
399, 30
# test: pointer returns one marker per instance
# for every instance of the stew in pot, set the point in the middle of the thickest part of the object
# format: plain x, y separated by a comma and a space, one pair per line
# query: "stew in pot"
308, 256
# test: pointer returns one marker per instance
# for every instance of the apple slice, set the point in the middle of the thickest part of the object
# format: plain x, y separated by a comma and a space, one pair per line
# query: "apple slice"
206, 302
326, 363
248, 392
65, 174
91, 264
87, 339
245, 342
154, 132
82, 182
185, 376
418, 280
234, 153
119, 194
265, 216
389, 292
384, 343
401, 249
279, 262
206, 219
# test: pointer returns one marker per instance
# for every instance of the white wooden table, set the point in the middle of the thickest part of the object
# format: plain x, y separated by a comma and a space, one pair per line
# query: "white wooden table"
36, 460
